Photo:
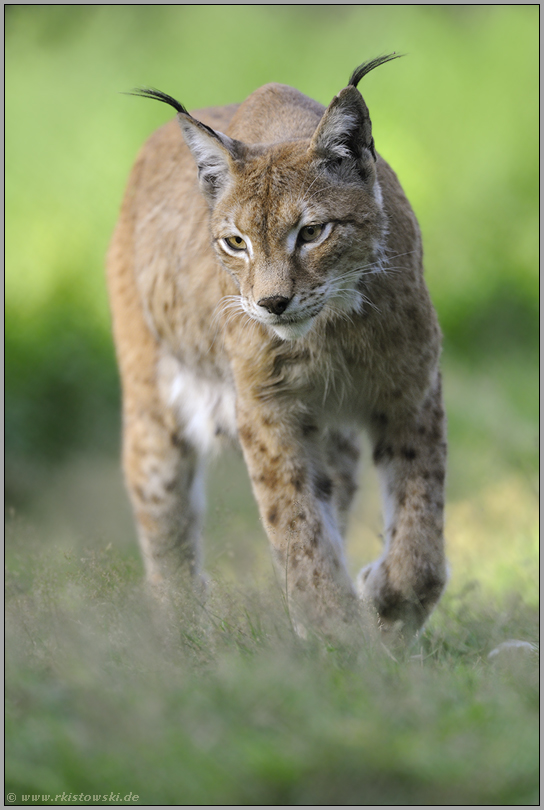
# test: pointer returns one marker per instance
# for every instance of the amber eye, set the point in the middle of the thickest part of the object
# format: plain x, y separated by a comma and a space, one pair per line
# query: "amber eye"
235, 242
310, 233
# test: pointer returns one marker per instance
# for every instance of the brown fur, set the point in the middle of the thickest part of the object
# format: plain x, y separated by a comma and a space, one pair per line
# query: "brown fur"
200, 358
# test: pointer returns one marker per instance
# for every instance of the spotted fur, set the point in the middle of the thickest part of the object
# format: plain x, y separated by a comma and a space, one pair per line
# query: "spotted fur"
266, 286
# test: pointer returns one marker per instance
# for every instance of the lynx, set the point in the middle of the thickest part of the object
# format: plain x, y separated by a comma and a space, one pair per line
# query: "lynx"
266, 287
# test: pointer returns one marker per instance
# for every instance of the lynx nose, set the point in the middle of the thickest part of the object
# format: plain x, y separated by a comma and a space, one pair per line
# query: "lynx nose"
276, 304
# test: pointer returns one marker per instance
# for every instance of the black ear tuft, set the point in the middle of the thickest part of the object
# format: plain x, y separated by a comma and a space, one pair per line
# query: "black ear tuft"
366, 67
150, 92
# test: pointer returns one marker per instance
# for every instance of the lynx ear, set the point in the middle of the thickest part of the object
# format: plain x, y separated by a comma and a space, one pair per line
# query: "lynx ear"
344, 135
213, 152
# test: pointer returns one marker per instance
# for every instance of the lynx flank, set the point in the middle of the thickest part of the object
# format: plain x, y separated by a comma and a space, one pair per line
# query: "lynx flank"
266, 286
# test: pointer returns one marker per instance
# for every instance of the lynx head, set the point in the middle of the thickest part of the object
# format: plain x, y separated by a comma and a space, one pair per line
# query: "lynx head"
297, 223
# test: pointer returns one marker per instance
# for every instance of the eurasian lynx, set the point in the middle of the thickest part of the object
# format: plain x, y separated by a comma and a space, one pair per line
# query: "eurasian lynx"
266, 285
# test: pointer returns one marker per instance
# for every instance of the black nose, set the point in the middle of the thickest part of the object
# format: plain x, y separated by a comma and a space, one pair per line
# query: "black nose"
276, 304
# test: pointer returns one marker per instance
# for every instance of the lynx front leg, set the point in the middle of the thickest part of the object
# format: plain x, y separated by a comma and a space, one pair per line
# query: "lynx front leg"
407, 581
298, 513
164, 478
164, 475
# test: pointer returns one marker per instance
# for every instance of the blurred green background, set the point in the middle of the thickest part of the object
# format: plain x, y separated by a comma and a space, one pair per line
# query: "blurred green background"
91, 695
457, 118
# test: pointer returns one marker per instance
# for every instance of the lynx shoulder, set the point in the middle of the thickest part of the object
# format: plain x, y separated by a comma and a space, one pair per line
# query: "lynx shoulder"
266, 287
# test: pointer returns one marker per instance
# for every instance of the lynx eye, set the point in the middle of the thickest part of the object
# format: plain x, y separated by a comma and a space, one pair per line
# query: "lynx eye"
235, 242
310, 233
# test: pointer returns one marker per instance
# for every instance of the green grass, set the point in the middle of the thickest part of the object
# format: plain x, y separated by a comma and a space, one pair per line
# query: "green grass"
235, 709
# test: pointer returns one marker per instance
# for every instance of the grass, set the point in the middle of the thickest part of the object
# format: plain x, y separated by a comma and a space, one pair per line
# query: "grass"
237, 710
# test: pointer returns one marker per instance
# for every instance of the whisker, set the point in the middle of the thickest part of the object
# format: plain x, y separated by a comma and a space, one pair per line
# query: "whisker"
341, 313
397, 255
370, 303
228, 307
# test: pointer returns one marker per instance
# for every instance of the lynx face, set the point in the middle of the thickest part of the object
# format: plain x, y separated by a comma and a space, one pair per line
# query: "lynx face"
296, 223
297, 237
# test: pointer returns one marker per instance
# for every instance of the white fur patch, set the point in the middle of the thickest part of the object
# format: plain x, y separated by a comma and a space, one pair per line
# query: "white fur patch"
291, 241
207, 408
378, 196
292, 331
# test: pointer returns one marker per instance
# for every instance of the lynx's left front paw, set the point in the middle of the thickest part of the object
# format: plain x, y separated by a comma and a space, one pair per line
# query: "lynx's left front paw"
401, 611
372, 587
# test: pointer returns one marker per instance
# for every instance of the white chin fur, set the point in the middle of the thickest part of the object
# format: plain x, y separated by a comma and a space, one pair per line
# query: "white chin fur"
292, 331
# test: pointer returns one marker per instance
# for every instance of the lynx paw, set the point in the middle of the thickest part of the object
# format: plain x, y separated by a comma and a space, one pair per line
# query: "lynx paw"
400, 614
